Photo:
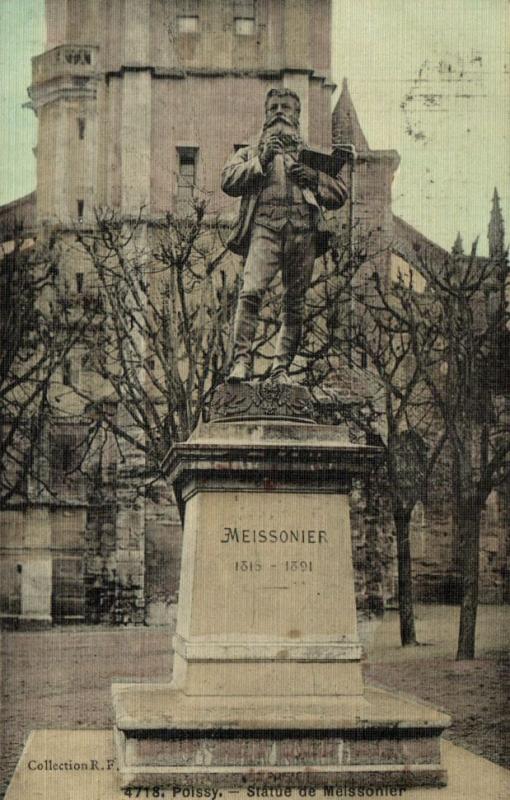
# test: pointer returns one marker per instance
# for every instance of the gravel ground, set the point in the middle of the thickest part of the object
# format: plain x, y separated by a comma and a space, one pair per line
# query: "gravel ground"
61, 678
475, 693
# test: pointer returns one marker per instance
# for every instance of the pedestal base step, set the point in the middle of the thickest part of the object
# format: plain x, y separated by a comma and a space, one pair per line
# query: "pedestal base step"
165, 738
469, 776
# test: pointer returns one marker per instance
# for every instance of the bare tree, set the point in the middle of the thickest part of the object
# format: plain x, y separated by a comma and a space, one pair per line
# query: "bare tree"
410, 436
36, 334
158, 340
452, 330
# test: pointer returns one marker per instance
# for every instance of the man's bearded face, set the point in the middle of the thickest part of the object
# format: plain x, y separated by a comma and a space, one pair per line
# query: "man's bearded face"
282, 115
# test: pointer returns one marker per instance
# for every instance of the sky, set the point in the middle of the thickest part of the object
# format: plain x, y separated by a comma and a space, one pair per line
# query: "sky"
429, 78
22, 35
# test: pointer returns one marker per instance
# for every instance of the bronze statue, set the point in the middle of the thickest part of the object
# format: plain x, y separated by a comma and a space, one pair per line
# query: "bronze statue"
279, 227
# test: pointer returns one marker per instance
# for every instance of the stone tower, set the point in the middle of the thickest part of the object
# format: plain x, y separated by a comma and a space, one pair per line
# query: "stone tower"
136, 99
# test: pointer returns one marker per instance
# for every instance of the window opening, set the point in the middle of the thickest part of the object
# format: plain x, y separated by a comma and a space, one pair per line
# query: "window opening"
244, 17
186, 178
66, 372
187, 24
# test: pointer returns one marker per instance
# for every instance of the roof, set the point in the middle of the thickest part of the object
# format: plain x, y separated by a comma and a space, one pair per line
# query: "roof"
413, 246
346, 126
18, 217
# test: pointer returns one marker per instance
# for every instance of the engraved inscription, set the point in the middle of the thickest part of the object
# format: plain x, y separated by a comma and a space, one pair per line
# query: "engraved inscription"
261, 536
288, 566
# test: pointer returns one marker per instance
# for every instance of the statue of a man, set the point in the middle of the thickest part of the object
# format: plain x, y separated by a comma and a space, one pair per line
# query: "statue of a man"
279, 228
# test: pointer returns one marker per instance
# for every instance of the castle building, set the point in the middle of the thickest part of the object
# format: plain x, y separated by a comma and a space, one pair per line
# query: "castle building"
136, 97
139, 101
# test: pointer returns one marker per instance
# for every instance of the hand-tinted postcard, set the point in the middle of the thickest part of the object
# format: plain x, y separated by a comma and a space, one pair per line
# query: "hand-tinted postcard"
255, 399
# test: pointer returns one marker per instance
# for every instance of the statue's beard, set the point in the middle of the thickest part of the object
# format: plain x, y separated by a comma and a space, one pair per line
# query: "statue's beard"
285, 127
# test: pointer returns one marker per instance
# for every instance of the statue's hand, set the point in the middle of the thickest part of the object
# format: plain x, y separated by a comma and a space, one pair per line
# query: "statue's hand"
304, 176
271, 147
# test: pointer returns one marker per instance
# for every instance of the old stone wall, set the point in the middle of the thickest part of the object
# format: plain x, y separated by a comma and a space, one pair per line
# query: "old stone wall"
41, 563
373, 550
163, 542
435, 566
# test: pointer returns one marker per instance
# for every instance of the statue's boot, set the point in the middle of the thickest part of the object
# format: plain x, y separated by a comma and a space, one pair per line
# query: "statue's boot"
286, 348
245, 328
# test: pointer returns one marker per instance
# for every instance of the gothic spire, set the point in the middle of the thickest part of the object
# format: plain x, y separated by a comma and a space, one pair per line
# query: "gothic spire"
458, 246
346, 127
496, 230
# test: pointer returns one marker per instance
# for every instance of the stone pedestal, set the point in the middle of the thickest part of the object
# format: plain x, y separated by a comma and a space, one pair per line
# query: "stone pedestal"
267, 686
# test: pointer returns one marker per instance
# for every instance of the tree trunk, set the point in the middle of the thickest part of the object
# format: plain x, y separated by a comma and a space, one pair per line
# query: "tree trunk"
470, 512
457, 532
402, 518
